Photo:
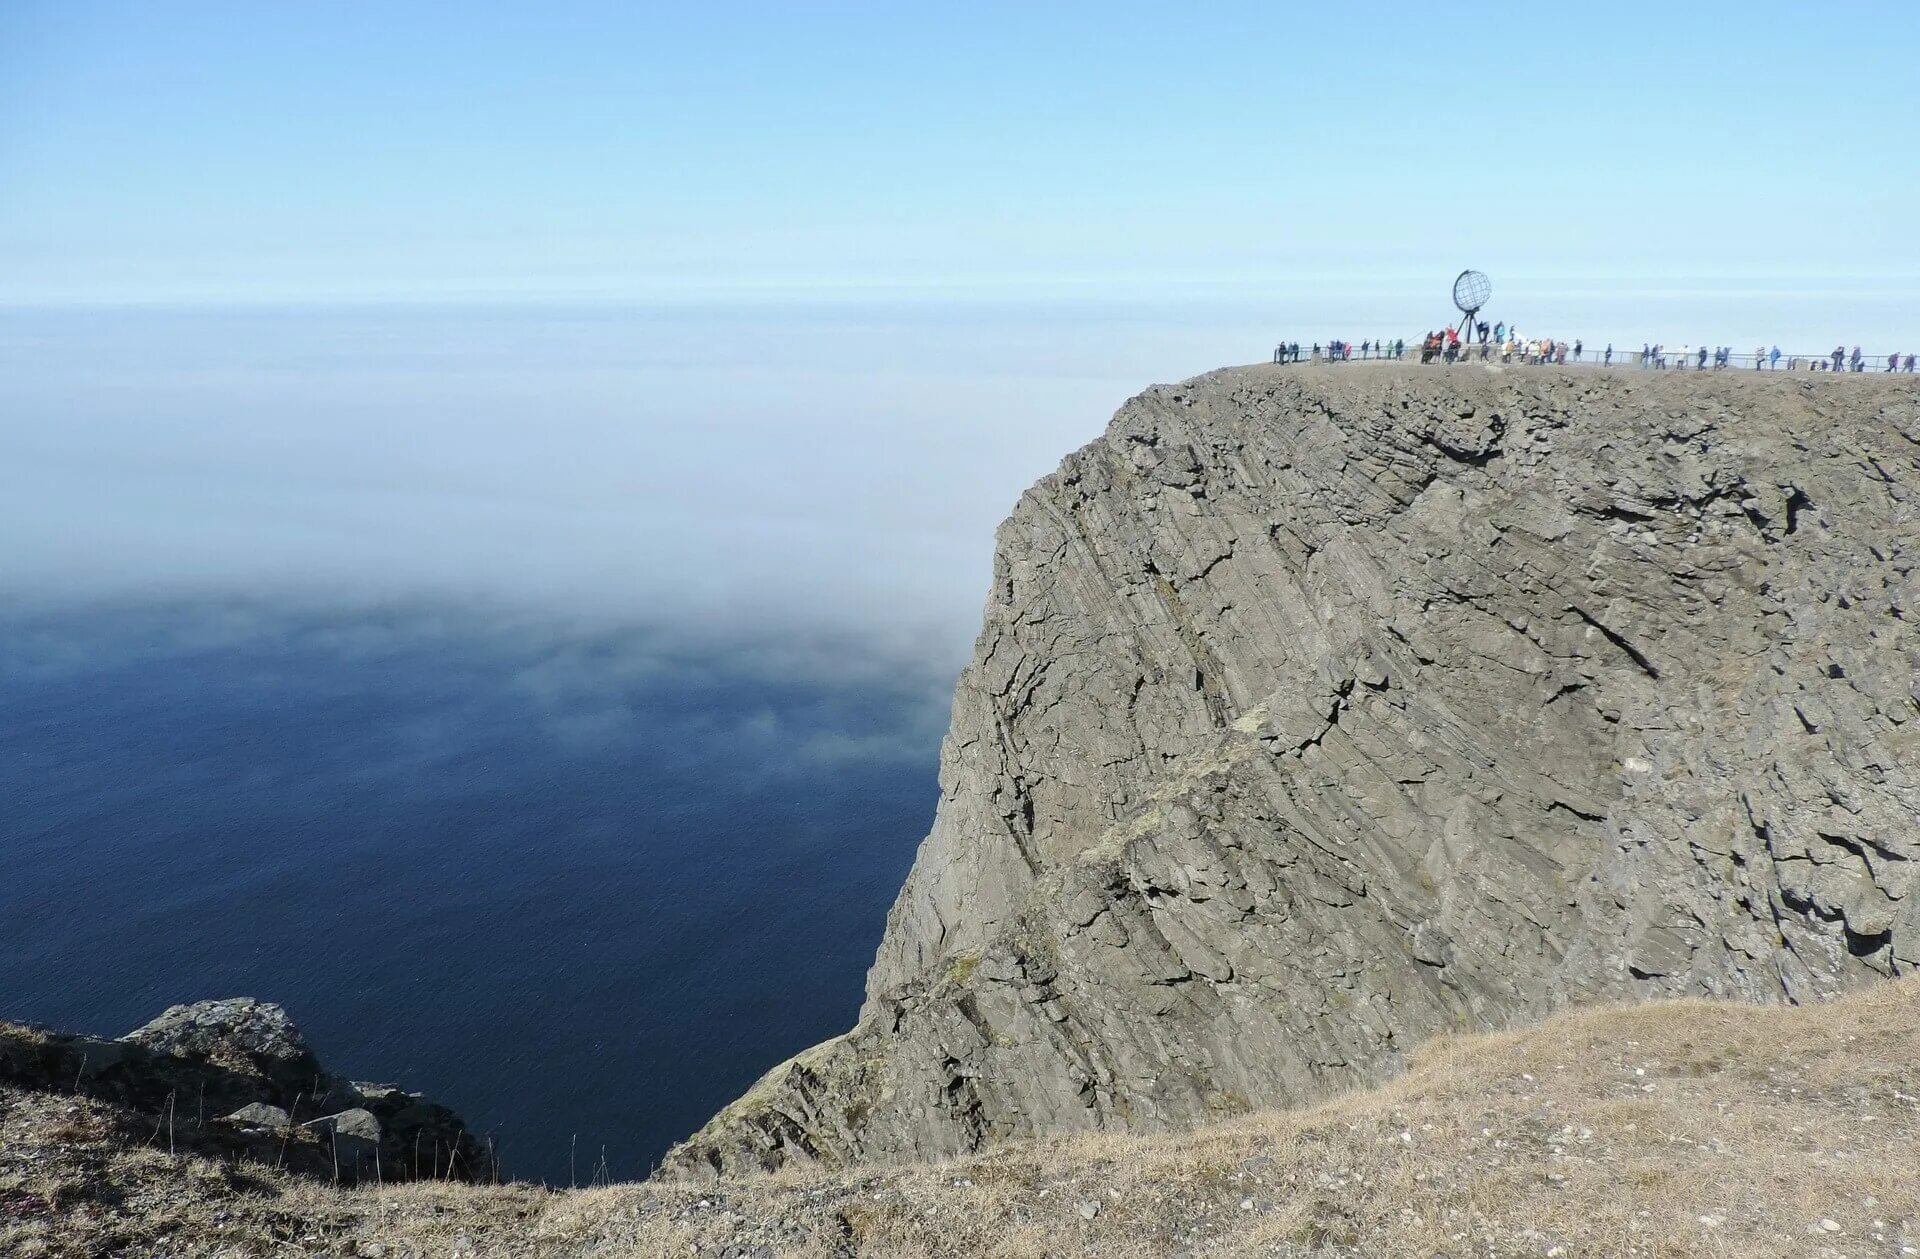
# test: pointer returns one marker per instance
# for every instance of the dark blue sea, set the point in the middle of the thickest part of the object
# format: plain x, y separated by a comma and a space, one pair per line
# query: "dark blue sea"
583, 883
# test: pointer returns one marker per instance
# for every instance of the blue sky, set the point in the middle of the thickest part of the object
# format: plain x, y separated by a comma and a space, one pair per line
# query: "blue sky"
742, 316
320, 151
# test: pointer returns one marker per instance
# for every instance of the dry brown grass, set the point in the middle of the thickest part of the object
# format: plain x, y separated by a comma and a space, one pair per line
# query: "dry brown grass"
1688, 1128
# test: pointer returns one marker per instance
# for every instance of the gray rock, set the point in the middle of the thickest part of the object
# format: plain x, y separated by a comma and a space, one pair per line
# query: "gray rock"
353, 1139
258, 1115
240, 1033
1318, 712
355, 1124
98, 1056
244, 1060
336, 1092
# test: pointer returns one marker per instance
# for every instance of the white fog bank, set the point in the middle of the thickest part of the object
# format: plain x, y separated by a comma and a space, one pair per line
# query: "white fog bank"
836, 466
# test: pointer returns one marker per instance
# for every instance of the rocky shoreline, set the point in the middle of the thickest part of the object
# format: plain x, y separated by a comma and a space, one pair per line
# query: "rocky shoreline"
235, 1079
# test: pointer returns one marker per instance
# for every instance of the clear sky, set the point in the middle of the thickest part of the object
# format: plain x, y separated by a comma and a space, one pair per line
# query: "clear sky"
312, 151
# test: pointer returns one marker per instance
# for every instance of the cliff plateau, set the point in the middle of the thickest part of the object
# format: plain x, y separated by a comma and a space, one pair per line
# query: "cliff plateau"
1318, 711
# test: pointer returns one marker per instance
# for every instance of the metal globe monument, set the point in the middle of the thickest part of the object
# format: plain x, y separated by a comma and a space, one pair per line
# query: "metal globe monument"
1471, 289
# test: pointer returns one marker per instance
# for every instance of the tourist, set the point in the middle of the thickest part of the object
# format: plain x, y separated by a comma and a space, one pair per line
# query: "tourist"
1839, 356
1909, 362
1859, 360
1576, 350
1775, 360
1893, 362
1703, 359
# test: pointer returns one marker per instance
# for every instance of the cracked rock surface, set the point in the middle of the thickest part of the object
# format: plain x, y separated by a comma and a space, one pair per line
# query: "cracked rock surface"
1321, 710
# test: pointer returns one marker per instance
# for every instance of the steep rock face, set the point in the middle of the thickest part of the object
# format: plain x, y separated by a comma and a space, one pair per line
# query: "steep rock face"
1320, 710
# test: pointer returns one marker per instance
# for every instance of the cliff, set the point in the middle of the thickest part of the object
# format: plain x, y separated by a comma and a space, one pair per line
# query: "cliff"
1320, 711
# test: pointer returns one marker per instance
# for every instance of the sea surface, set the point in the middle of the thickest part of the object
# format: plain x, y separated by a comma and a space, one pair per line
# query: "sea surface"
584, 886
542, 699
541, 702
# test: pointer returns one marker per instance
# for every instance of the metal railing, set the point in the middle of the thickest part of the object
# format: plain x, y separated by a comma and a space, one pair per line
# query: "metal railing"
1666, 359
1845, 363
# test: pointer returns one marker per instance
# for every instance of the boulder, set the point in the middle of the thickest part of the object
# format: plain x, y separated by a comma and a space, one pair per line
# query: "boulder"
258, 1115
241, 1034
354, 1137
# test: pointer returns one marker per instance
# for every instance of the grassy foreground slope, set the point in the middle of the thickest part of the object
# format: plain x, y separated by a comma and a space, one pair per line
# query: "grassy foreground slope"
1673, 1128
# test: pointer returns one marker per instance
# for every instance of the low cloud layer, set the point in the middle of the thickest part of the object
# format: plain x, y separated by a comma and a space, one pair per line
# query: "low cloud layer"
834, 472
764, 472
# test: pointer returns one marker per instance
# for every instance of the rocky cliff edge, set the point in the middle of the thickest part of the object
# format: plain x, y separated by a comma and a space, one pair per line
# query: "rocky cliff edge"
1321, 710
232, 1079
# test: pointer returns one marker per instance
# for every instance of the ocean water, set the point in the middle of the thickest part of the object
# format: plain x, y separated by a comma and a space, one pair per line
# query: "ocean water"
542, 704
583, 886
543, 701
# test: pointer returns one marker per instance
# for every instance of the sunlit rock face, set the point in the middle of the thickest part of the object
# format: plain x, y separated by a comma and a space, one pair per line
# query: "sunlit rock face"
1320, 710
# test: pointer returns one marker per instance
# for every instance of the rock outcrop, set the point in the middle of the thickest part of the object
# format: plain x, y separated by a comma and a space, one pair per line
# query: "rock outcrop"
1321, 710
237, 1078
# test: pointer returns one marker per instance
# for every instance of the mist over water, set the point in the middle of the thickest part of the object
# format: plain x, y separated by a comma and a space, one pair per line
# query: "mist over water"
543, 702
819, 462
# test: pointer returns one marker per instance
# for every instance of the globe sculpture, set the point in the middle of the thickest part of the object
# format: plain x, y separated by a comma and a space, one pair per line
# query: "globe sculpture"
1470, 292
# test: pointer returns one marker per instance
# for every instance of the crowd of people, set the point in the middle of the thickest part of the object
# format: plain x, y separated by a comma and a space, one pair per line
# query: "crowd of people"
1339, 351
1768, 359
1484, 341
1449, 346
